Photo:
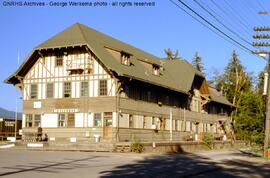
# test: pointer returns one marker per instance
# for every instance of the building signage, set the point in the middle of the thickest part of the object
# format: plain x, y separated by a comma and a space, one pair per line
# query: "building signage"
71, 110
37, 104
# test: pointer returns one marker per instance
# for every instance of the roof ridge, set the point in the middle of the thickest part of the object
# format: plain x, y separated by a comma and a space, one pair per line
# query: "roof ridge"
80, 28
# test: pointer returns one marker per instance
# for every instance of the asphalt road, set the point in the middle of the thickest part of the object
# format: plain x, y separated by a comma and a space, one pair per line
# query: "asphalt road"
41, 164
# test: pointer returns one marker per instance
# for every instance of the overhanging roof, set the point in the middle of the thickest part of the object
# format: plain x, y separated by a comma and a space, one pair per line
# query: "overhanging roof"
218, 97
176, 75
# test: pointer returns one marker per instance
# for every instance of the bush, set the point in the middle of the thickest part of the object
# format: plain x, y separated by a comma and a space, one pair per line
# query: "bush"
208, 140
137, 147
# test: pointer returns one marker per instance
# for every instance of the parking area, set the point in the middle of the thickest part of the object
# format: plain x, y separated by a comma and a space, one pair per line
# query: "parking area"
41, 164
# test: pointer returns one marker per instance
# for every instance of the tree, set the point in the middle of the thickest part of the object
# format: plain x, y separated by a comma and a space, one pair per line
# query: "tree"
234, 82
170, 55
197, 63
249, 119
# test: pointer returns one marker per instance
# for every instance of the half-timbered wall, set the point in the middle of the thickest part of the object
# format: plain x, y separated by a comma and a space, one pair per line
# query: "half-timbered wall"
83, 71
45, 71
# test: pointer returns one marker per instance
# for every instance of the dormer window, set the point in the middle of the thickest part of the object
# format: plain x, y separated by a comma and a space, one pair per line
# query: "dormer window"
155, 70
125, 58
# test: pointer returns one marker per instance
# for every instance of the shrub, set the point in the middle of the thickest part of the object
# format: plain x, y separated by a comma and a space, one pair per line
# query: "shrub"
208, 140
137, 147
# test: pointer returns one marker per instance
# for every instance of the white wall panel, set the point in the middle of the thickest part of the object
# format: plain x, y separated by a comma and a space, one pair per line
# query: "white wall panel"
60, 90
91, 88
49, 120
90, 119
73, 89
114, 119
96, 88
79, 119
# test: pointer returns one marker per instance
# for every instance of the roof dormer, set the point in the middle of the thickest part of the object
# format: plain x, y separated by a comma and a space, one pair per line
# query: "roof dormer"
155, 69
125, 58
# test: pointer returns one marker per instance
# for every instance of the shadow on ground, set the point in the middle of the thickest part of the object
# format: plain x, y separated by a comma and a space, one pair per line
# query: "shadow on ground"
47, 166
189, 165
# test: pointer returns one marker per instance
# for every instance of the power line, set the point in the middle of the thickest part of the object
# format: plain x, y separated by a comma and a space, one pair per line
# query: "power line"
213, 26
236, 12
228, 14
207, 26
225, 26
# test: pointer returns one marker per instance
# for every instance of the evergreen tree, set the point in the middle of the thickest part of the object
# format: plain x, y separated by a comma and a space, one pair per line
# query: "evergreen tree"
249, 119
197, 63
234, 82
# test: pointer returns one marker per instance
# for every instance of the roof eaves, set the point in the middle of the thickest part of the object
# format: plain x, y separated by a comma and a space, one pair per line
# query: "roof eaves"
154, 83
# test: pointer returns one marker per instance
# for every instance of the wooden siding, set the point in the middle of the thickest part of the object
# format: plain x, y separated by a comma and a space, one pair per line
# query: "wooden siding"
93, 104
151, 109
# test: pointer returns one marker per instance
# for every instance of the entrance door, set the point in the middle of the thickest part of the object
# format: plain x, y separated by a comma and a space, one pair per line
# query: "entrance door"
71, 120
107, 124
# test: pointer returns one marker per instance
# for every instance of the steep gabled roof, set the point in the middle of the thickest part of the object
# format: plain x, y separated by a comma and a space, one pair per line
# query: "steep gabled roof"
177, 75
72, 36
218, 97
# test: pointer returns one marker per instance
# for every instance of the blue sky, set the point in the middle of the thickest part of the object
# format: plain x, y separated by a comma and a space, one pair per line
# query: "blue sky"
149, 28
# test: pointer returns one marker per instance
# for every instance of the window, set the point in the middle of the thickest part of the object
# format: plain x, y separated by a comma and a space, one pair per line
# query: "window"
37, 120
67, 89
61, 120
108, 119
33, 91
28, 120
103, 87
155, 69
97, 119
59, 61
84, 88
125, 58
49, 90
131, 121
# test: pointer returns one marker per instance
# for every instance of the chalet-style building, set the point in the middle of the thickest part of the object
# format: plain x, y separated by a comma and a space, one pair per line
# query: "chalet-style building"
82, 84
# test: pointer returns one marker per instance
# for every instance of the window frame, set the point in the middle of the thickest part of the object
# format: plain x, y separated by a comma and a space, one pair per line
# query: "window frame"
97, 124
65, 90
37, 117
83, 89
58, 58
61, 120
103, 89
32, 96
47, 91
27, 120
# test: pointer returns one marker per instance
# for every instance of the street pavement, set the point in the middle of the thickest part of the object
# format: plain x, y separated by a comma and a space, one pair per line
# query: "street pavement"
50, 164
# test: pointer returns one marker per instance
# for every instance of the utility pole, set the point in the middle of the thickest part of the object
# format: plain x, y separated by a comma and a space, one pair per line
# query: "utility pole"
265, 53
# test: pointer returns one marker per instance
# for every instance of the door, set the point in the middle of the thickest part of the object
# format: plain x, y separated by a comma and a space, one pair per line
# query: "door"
107, 125
71, 120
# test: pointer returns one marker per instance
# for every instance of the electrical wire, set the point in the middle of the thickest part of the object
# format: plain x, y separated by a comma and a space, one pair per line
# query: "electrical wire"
213, 26
225, 26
